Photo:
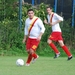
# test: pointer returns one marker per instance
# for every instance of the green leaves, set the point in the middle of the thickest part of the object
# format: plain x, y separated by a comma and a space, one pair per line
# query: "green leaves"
11, 37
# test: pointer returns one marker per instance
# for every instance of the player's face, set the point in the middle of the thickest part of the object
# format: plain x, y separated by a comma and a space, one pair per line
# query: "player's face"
31, 14
49, 11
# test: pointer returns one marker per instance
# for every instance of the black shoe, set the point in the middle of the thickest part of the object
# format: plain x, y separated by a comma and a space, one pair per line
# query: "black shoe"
69, 58
57, 55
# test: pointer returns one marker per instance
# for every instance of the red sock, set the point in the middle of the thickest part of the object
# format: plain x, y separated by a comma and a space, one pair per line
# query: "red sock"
54, 48
66, 51
29, 58
34, 55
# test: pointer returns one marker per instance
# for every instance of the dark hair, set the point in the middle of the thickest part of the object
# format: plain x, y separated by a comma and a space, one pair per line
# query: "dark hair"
49, 7
30, 10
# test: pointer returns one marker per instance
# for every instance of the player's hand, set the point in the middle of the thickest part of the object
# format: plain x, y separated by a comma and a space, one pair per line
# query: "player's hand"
39, 38
53, 23
24, 40
45, 21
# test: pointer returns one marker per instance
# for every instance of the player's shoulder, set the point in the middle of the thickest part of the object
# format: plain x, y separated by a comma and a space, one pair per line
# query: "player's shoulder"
55, 14
47, 15
58, 16
38, 18
27, 19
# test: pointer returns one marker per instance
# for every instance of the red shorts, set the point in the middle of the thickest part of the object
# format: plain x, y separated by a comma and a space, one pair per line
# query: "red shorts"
32, 44
55, 36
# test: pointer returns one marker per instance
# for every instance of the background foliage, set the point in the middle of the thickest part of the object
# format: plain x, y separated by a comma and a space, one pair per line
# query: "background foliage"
11, 37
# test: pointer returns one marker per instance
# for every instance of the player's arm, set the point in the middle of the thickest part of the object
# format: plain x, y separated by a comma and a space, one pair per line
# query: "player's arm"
42, 28
45, 21
59, 19
24, 40
53, 23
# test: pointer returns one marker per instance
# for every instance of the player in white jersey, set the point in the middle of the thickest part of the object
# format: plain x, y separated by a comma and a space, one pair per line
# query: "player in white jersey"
56, 35
34, 30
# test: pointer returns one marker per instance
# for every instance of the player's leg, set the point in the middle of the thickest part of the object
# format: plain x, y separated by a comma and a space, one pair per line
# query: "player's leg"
28, 45
31, 55
66, 50
34, 46
52, 45
34, 55
28, 59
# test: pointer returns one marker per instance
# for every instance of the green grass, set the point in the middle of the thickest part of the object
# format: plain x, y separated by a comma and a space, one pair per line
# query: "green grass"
43, 66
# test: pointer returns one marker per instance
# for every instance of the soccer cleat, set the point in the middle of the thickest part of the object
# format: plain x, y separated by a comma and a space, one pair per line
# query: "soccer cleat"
27, 64
57, 55
69, 58
34, 59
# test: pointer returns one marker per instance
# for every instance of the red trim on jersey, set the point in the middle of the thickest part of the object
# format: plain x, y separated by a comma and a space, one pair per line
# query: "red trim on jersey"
51, 18
32, 25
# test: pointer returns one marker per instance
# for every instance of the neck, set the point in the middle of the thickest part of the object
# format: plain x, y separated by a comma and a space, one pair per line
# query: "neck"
31, 17
51, 12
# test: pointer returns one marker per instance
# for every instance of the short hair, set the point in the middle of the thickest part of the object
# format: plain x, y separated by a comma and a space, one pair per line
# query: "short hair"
49, 7
30, 10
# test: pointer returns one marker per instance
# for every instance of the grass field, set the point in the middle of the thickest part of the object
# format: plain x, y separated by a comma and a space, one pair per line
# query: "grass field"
43, 66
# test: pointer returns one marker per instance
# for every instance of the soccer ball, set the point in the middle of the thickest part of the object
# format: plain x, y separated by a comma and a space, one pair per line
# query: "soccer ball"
19, 62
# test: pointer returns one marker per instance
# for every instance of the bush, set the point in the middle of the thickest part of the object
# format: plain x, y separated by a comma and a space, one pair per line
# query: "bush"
11, 37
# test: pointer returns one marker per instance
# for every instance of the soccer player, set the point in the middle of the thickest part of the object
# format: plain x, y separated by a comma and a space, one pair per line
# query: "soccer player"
33, 32
56, 35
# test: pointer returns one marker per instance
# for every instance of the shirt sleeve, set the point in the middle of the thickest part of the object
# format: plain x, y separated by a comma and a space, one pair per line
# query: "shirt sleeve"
25, 29
41, 25
58, 17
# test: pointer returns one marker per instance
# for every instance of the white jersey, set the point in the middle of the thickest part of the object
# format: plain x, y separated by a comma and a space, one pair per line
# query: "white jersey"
36, 29
56, 27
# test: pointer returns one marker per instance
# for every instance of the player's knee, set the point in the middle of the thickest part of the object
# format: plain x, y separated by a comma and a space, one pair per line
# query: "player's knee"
61, 43
31, 51
27, 51
49, 41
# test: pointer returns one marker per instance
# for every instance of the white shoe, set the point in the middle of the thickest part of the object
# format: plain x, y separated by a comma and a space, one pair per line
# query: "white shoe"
57, 55
34, 59
27, 64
